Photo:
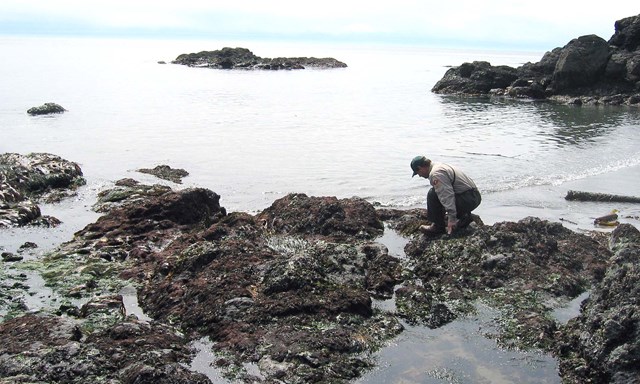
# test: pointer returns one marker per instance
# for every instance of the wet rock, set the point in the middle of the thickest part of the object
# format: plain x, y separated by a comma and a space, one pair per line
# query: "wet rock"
165, 172
520, 267
603, 343
242, 58
26, 180
46, 109
291, 288
129, 191
9, 257
325, 216
54, 349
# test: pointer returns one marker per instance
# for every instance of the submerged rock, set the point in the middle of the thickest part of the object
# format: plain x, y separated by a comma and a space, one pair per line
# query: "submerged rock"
165, 172
587, 70
242, 58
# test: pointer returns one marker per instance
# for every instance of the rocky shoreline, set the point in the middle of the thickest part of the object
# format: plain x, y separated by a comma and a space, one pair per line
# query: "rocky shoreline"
290, 289
586, 71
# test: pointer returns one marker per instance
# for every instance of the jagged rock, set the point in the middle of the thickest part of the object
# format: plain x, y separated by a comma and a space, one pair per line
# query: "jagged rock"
327, 216
46, 109
242, 58
587, 70
165, 172
603, 343
27, 179
56, 349
475, 78
291, 288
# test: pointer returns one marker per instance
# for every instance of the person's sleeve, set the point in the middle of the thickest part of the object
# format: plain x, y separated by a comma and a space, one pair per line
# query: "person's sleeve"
444, 189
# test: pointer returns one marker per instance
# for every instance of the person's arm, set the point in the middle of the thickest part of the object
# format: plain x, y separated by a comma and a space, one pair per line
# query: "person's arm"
442, 183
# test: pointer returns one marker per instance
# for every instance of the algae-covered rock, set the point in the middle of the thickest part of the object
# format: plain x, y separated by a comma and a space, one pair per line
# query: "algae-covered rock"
603, 343
26, 180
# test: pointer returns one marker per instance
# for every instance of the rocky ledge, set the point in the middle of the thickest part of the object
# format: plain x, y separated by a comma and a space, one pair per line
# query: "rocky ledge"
290, 291
588, 70
242, 58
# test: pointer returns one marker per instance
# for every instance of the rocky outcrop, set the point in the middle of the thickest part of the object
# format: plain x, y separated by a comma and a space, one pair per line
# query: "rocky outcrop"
242, 58
26, 180
602, 345
291, 290
46, 109
165, 172
55, 349
588, 70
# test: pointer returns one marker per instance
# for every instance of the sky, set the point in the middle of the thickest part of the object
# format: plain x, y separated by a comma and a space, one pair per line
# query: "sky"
525, 24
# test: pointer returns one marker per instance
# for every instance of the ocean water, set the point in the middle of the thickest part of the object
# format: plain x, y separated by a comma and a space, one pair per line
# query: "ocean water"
254, 136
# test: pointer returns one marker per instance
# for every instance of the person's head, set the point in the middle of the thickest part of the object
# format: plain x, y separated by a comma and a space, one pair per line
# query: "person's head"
420, 166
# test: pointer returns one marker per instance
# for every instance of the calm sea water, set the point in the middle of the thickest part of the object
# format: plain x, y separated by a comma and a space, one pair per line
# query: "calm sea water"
254, 136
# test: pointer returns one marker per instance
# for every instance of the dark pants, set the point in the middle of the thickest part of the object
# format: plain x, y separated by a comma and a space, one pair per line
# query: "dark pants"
465, 203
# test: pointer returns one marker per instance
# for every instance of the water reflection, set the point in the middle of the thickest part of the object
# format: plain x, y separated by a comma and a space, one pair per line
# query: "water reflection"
558, 125
575, 125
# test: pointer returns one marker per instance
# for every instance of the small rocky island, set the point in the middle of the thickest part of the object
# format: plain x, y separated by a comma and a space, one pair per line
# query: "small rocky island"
588, 70
46, 109
290, 290
242, 58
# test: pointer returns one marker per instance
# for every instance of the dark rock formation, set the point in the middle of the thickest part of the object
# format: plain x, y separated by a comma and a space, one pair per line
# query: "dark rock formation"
602, 345
165, 172
56, 349
46, 109
291, 290
242, 58
27, 179
588, 70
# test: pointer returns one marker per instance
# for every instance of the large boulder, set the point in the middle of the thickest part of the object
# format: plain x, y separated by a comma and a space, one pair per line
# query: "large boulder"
581, 63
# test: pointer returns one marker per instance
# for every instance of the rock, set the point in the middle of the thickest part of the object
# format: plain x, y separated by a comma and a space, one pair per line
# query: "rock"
603, 342
586, 71
46, 109
9, 257
54, 349
627, 33
242, 58
291, 289
582, 62
477, 78
28, 179
326, 216
165, 172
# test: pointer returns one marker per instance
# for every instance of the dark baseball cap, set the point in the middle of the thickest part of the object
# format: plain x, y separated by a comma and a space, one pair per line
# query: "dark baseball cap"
418, 161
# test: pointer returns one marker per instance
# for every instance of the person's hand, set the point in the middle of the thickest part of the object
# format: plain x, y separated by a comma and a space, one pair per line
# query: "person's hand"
451, 226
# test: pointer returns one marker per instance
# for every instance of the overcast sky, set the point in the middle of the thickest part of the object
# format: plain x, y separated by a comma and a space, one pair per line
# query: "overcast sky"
536, 24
